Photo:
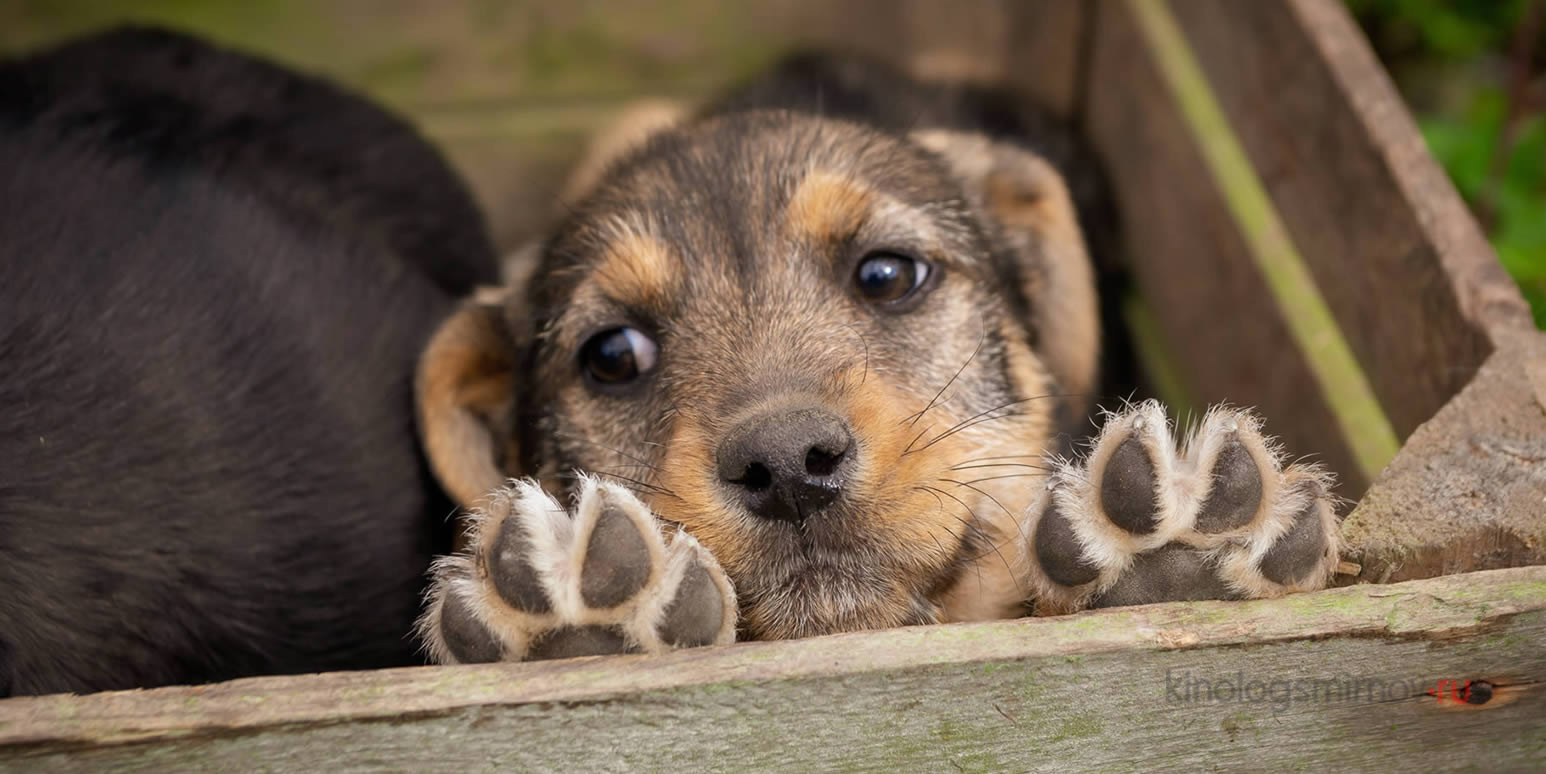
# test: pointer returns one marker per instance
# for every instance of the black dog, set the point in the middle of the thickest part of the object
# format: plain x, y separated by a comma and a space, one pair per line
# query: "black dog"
215, 278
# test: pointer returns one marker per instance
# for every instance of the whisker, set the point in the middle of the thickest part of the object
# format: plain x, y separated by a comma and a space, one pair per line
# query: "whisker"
971, 526
982, 417
1010, 475
935, 496
654, 488
979, 491
963, 423
980, 342
1018, 588
966, 425
866, 342
935, 538
915, 438
1007, 569
971, 560
1001, 465
1004, 457
618, 452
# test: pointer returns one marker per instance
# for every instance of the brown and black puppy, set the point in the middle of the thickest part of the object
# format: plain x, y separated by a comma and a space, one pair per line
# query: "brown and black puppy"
797, 360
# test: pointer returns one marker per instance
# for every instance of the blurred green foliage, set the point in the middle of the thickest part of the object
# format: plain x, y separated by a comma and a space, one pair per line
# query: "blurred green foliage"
1480, 98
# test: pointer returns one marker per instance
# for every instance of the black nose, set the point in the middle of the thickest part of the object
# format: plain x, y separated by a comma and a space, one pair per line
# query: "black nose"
786, 466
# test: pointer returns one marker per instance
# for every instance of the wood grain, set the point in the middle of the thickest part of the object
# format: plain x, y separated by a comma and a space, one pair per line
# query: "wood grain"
1084, 692
1190, 259
1418, 293
1045, 54
1360, 419
1468, 492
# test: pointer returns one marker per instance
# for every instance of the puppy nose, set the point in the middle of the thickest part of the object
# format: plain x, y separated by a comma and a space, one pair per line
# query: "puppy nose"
786, 466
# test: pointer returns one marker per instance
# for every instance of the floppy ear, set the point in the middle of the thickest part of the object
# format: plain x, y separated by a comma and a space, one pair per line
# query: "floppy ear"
465, 390
1031, 209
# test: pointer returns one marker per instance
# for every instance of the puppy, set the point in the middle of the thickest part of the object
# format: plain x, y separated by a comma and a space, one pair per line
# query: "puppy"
215, 280
798, 361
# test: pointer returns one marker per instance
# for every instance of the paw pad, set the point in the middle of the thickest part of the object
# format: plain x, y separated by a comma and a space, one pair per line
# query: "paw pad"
1127, 492
540, 581
1141, 522
1236, 495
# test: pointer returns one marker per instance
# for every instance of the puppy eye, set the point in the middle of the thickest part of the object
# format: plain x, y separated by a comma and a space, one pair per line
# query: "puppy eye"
618, 356
887, 277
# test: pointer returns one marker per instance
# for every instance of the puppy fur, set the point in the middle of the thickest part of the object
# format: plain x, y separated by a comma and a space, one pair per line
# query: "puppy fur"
730, 239
215, 280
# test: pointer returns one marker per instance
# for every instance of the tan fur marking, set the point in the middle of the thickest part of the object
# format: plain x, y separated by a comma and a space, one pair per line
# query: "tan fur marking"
636, 267
893, 466
695, 505
828, 205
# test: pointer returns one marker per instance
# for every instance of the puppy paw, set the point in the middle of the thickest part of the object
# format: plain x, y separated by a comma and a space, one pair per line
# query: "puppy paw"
540, 581
1137, 522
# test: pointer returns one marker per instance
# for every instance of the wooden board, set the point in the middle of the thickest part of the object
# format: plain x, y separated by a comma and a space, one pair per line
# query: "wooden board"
1045, 55
1417, 290
1468, 491
1113, 690
1213, 309
511, 91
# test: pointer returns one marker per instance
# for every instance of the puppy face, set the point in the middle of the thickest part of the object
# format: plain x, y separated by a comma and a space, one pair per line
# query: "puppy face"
809, 344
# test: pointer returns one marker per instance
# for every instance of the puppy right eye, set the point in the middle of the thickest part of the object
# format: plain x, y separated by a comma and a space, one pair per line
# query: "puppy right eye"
618, 356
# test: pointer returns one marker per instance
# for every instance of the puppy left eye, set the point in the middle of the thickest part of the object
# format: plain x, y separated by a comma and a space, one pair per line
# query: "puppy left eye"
886, 277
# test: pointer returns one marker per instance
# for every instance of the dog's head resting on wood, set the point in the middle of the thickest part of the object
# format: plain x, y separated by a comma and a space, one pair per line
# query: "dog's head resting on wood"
830, 351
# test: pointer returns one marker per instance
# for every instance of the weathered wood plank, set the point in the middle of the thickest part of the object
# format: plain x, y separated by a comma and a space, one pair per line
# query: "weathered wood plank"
1107, 690
419, 54
1342, 383
511, 90
1468, 491
1189, 257
1418, 292
1046, 50
514, 151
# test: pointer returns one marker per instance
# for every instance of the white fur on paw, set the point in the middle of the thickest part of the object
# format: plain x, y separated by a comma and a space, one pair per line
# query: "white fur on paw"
1138, 521
542, 581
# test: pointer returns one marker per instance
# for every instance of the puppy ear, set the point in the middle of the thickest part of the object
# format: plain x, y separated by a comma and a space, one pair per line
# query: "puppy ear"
1030, 207
465, 390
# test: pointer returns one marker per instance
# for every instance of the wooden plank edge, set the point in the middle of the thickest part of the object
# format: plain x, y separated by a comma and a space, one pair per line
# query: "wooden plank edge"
1343, 383
1468, 491
1482, 288
1435, 610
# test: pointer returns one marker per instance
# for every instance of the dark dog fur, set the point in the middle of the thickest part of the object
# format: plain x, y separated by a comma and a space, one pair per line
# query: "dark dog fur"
215, 278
